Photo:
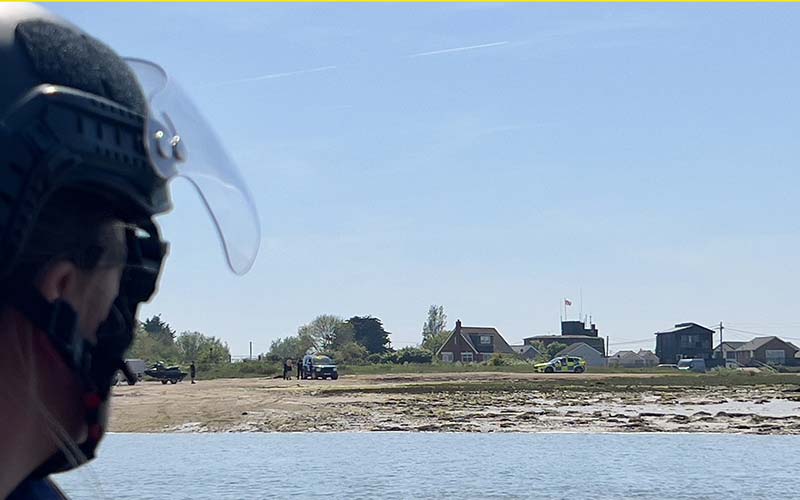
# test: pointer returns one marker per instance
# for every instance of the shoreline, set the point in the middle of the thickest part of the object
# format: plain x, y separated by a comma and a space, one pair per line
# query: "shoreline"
478, 402
453, 433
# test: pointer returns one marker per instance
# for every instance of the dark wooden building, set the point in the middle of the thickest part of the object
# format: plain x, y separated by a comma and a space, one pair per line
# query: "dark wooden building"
686, 340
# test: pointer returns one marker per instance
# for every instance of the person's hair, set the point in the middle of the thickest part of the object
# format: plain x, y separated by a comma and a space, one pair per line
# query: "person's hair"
72, 226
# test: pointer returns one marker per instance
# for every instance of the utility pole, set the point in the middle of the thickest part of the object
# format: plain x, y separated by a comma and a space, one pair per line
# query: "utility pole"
721, 350
251, 350
608, 347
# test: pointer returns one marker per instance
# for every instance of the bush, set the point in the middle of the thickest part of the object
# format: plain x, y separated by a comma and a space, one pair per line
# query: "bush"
351, 353
389, 357
505, 360
725, 372
241, 369
414, 355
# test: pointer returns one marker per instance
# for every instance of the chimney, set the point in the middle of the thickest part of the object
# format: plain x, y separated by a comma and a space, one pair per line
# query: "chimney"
458, 325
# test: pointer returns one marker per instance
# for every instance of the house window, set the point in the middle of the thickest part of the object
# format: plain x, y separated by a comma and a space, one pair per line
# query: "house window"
776, 356
730, 355
487, 356
447, 357
486, 340
466, 357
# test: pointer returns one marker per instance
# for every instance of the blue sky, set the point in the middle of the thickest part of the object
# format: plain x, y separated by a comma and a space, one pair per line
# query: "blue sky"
646, 154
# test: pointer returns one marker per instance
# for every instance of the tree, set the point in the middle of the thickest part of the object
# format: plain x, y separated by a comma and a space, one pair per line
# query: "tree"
159, 330
546, 353
304, 332
369, 332
189, 345
292, 347
212, 352
152, 348
435, 324
435, 342
351, 353
194, 346
324, 331
343, 335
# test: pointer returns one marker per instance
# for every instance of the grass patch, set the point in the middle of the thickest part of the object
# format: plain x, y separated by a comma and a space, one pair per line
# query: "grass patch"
246, 369
665, 382
422, 368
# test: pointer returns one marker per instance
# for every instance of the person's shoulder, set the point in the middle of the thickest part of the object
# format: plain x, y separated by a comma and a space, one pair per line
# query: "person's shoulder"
37, 489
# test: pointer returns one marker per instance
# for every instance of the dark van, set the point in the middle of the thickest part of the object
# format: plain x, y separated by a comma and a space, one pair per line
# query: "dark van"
318, 366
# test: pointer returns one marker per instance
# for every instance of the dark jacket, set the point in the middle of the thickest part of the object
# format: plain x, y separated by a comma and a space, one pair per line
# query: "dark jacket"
40, 489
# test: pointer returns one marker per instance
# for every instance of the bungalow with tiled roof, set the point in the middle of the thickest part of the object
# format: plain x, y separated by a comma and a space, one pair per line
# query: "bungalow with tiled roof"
727, 350
768, 350
526, 351
592, 356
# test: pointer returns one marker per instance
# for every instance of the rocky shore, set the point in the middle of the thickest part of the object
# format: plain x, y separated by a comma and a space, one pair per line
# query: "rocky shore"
466, 402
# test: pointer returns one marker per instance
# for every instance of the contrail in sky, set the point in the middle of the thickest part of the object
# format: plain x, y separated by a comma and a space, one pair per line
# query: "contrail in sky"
271, 76
459, 49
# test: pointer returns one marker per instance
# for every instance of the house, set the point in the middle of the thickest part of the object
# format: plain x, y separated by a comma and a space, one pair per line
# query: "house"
572, 332
649, 357
596, 343
469, 344
686, 340
625, 359
526, 351
727, 350
593, 357
632, 359
769, 350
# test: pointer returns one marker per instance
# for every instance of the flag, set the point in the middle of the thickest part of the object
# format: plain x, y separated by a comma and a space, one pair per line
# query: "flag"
567, 302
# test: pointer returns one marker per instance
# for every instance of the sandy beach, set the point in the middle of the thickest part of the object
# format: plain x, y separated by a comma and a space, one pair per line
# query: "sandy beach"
464, 402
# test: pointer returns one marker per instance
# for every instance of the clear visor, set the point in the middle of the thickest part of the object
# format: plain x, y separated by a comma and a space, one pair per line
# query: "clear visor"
180, 142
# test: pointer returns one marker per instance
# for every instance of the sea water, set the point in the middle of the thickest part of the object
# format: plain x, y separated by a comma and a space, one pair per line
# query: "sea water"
439, 465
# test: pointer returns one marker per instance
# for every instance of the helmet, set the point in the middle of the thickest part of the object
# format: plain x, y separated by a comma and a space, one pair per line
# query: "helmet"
74, 115
71, 116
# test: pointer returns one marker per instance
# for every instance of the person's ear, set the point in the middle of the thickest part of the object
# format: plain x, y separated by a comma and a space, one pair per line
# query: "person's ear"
58, 281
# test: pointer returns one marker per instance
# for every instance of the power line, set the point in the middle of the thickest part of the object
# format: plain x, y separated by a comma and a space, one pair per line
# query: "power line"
761, 334
632, 342
769, 325
735, 333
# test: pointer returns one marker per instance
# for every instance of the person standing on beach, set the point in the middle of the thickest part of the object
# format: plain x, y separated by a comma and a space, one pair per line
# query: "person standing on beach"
88, 145
192, 371
299, 367
287, 375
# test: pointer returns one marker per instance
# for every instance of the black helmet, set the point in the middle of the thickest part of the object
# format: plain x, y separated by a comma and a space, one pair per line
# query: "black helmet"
76, 116
72, 115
